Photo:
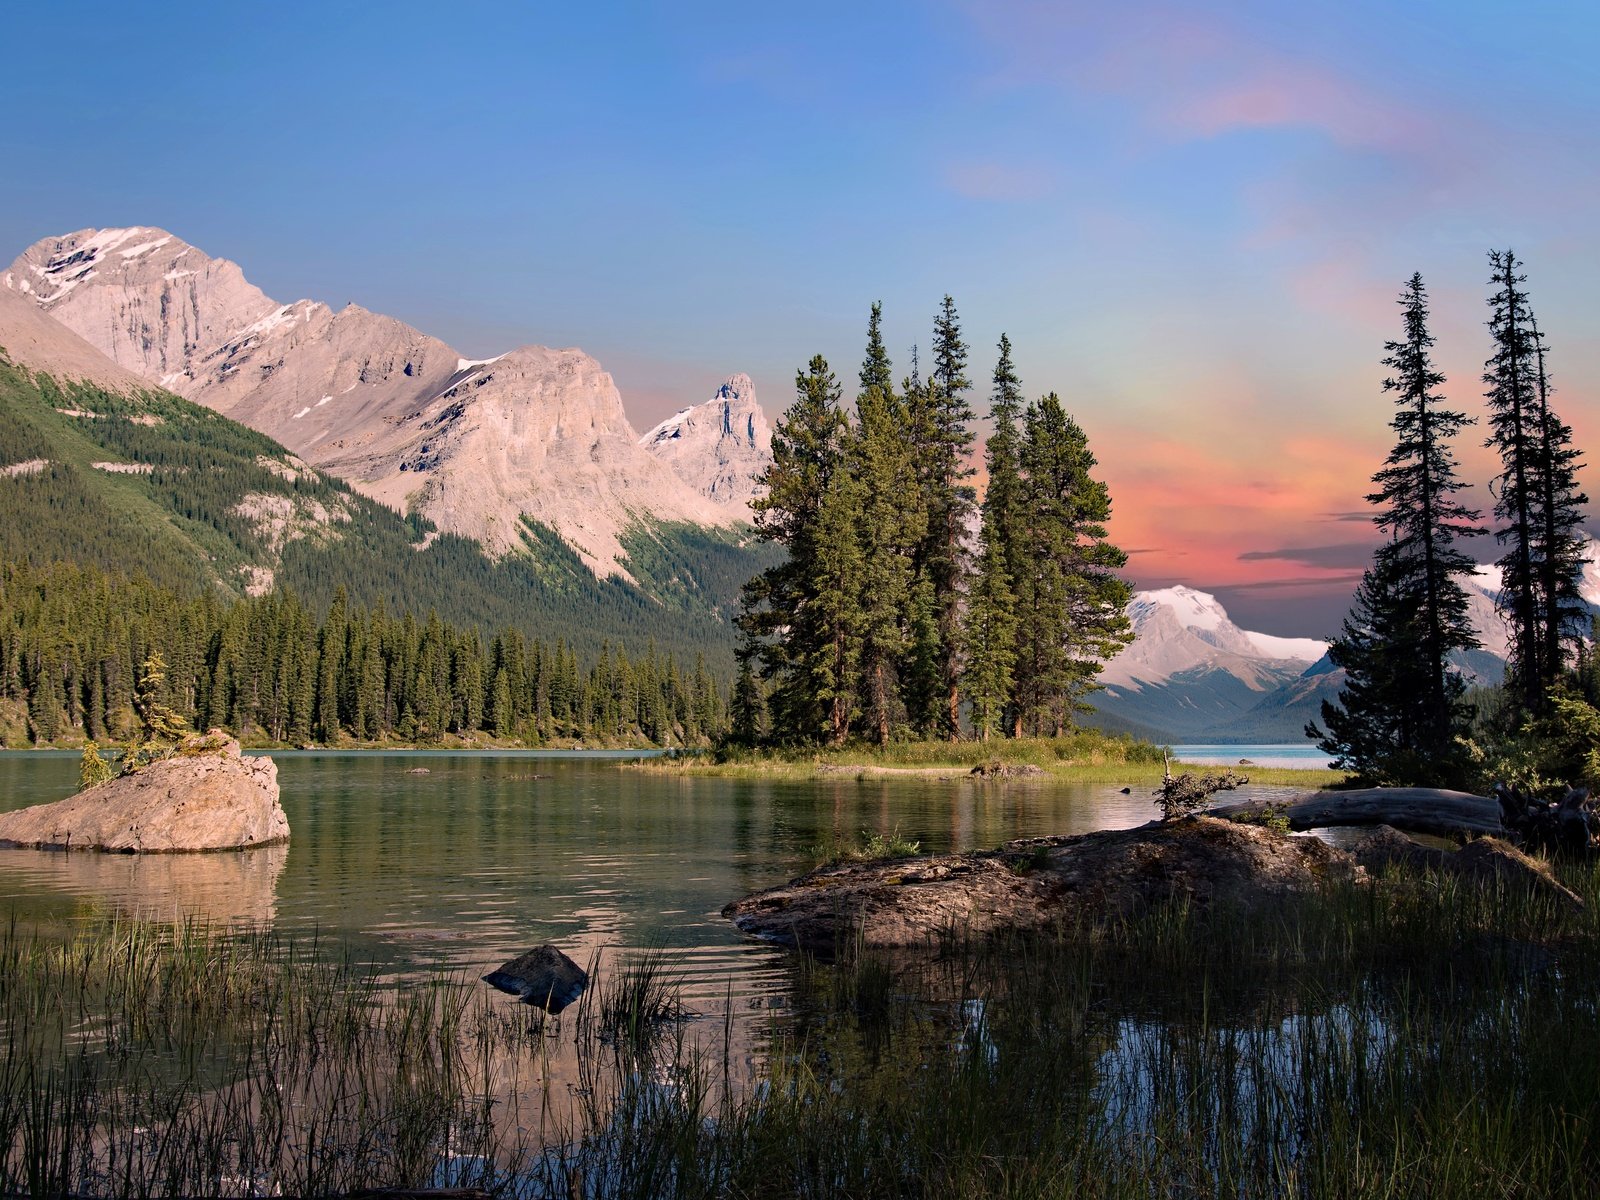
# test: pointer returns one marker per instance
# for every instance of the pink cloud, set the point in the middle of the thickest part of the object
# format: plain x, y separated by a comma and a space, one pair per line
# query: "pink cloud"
1193, 74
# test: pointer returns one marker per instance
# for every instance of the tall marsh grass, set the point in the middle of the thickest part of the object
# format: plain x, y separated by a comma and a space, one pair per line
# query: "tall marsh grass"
1429, 1038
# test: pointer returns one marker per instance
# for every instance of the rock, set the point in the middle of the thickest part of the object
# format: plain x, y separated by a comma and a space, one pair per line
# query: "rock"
1038, 882
419, 771
1000, 770
1387, 847
1491, 859
1487, 860
543, 977
205, 797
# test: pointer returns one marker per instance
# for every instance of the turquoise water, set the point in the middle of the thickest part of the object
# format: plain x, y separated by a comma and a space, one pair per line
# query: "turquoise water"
1295, 754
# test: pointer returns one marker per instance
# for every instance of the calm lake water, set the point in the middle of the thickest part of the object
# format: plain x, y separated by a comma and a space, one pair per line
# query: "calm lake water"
463, 859
1300, 754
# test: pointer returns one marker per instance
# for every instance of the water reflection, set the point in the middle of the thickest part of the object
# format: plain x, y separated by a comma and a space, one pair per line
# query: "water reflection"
420, 861
229, 888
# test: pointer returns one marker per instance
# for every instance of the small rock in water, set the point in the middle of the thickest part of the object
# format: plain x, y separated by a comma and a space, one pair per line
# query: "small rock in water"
1128, 791
543, 976
1245, 762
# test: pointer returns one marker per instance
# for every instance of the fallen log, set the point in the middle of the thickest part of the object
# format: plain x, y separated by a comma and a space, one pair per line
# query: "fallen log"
1436, 811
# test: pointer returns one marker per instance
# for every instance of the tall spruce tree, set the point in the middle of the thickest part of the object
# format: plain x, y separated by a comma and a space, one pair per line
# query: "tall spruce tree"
1559, 541
1372, 731
784, 627
1536, 496
952, 501
1400, 712
941, 417
991, 626
1071, 604
893, 524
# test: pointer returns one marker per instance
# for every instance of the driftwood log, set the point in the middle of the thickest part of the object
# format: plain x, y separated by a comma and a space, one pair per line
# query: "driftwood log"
1414, 809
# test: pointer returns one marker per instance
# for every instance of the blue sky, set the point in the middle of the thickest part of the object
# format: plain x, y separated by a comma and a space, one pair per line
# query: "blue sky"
1192, 222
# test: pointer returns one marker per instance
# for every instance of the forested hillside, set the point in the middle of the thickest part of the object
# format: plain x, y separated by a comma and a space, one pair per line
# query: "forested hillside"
154, 485
76, 641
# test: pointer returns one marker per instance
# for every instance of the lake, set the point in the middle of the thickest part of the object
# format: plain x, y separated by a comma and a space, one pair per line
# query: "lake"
1303, 755
462, 859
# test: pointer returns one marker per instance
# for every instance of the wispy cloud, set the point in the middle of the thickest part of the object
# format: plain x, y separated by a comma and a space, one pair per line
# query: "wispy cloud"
1343, 555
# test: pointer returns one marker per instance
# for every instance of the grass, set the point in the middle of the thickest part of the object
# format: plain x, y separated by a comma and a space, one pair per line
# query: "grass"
873, 847
1084, 756
1430, 1037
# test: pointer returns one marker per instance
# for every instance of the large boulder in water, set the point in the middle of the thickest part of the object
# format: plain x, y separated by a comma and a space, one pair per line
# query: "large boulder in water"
206, 796
543, 977
1038, 882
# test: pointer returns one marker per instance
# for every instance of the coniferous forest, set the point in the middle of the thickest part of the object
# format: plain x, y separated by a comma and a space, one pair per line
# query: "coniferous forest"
883, 621
139, 526
1406, 714
75, 643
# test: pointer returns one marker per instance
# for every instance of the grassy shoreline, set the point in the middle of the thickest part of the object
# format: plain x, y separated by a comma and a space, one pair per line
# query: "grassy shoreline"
1084, 757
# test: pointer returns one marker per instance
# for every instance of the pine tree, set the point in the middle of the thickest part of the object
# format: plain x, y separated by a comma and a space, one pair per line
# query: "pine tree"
1405, 690
893, 524
834, 588
783, 627
1536, 494
1558, 541
1372, 731
1071, 603
991, 626
937, 422
747, 708
991, 641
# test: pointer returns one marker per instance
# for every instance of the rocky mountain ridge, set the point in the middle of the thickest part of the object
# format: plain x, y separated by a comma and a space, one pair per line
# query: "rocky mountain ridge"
481, 447
720, 447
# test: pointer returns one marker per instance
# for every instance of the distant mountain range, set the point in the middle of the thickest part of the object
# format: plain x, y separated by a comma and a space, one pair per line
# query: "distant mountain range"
497, 450
1192, 675
527, 456
102, 466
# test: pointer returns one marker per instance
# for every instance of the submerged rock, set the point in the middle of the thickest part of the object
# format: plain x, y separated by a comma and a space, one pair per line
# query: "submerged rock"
1037, 882
207, 796
544, 977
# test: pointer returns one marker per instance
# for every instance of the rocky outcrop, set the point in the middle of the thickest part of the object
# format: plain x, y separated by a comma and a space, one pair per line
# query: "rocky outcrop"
719, 448
477, 446
29, 338
205, 797
1039, 882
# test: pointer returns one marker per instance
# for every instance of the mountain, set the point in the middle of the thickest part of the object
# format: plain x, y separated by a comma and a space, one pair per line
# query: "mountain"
502, 450
1192, 675
34, 341
1483, 593
719, 447
99, 469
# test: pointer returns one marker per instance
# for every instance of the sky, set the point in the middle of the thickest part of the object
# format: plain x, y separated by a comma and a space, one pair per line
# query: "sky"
1192, 221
